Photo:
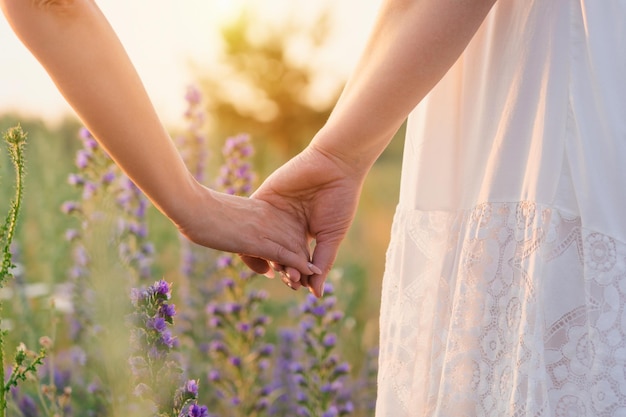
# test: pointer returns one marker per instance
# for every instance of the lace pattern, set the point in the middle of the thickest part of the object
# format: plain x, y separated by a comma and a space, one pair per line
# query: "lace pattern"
508, 309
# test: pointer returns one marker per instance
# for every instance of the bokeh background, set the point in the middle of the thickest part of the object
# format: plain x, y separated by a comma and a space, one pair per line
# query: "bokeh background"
268, 68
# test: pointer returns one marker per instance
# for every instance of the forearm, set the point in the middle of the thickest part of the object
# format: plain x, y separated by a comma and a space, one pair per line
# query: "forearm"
412, 46
85, 59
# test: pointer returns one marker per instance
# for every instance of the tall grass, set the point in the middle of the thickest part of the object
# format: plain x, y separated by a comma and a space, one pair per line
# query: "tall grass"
136, 320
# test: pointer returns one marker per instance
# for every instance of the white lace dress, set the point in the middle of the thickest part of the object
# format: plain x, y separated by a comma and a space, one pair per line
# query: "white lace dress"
505, 287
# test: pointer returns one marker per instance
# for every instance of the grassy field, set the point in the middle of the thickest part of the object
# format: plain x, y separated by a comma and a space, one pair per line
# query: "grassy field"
45, 257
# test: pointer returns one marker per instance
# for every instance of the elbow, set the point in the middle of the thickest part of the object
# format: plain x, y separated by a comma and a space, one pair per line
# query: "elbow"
18, 8
33, 21
34, 16
54, 5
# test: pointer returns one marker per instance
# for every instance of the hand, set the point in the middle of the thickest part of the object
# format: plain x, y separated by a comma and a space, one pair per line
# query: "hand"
322, 193
252, 228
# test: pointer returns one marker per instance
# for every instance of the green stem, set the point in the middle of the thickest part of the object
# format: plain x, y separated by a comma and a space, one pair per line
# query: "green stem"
15, 139
3, 398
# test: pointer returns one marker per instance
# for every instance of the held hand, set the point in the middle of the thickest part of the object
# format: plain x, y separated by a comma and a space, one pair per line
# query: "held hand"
322, 192
246, 226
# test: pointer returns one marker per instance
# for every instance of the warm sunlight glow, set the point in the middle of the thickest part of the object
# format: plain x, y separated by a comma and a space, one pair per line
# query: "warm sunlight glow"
228, 8
166, 41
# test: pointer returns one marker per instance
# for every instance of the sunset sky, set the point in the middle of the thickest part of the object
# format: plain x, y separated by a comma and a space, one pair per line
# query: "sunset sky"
165, 39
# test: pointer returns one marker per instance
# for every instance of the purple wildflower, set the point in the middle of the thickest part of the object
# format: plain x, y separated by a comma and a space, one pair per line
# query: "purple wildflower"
259, 332
108, 177
89, 142
232, 308
235, 361
331, 412
342, 369
70, 207
330, 340
167, 311
89, 190
94, 388
167, 339
262, 404
335, 316
243, 327
162, 288
156, 323
198, 411
303, 412
263, 365
71, 235
215, 322
213, 309
192, 387
214, 375
75, 180
82, 159
138, 296
27, 406
193, 96
217, 346
236, 176
224, 261
266, 350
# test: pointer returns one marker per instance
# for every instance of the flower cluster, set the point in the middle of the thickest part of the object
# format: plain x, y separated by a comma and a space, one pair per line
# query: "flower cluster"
94, 179
320, 374
135, 249
236, 176
193, 143
224, 341
156, 373
196, 261
239, 354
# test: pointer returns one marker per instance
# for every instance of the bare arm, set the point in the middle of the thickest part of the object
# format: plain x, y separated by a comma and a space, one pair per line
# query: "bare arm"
412, 46
80, 51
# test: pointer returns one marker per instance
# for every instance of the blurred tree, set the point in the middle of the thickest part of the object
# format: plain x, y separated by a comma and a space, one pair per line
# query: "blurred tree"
268, 85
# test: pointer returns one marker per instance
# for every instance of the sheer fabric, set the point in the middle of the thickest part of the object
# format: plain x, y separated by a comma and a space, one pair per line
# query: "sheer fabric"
505, 287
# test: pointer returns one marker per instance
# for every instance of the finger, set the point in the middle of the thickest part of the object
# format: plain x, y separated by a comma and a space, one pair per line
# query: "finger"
280, 255
293, 274
288, 282
316, 285
258, 265
304, 281
324, 256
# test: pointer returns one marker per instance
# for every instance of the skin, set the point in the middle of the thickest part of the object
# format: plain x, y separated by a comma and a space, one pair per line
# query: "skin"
411, 47
74, 42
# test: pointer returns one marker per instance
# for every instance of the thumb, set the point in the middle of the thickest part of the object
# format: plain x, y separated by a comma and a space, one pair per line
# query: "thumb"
258, 265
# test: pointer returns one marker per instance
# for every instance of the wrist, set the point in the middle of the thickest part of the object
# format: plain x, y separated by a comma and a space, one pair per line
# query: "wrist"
352, 156
183, 205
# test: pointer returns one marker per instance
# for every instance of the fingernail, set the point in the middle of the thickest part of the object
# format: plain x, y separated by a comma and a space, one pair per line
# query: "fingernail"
314, 269
319, 290
269, 273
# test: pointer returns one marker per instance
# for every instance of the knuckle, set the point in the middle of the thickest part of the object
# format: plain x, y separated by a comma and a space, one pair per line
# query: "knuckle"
280, 254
